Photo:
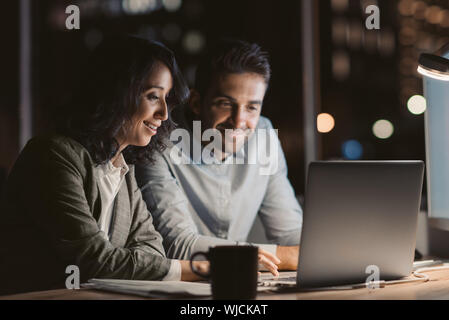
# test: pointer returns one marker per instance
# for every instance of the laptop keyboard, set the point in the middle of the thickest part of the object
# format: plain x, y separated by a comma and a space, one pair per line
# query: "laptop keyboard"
282, 276
288, 278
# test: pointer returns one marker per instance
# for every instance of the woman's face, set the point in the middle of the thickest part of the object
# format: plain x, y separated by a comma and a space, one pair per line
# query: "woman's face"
152, 109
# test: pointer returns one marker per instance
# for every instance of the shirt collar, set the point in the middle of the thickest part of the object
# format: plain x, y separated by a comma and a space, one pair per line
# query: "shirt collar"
119, 165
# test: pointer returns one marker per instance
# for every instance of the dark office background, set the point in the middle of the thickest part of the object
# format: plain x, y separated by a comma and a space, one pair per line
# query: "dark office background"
366, 75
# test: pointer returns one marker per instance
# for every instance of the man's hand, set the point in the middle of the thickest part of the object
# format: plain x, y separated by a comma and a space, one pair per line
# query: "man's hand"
286, 258
289, 256
269, 261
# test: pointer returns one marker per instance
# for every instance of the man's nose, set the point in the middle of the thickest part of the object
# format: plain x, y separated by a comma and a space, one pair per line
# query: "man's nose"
238, 117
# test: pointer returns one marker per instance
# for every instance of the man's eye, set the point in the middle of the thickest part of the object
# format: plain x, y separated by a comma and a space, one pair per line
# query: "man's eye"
252, 108
224, 104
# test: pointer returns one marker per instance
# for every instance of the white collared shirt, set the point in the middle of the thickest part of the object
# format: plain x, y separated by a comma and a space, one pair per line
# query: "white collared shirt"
111, 177
197, 204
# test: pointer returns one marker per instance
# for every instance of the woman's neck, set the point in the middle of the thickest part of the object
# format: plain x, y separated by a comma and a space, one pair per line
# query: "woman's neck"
117, 155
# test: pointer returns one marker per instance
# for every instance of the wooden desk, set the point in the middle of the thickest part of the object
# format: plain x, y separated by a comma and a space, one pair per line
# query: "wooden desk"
436, 288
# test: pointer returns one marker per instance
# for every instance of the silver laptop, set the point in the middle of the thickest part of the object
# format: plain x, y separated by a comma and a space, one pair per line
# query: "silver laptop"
359, 214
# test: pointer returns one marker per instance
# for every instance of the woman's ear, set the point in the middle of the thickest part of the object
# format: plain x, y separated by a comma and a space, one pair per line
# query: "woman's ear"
195, 102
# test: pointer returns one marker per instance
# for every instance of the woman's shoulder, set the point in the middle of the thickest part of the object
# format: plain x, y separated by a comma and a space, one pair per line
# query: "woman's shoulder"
56, 141
58, 145
52, 154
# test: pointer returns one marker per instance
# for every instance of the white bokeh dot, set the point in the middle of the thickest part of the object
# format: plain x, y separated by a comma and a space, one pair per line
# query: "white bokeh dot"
416, 104
383, 129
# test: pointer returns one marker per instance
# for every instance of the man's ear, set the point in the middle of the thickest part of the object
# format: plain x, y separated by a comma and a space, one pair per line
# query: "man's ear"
195, 102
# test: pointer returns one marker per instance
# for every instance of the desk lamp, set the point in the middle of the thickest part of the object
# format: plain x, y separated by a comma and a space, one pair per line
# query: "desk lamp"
435, 70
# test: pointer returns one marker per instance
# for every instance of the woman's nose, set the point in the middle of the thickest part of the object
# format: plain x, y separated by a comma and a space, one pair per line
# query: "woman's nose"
162, 112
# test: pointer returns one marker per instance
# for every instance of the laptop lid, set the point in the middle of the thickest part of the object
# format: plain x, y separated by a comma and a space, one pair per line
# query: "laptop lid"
359, 214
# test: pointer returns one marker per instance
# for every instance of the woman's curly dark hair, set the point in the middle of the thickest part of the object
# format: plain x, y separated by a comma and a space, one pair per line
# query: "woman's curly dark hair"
110, 92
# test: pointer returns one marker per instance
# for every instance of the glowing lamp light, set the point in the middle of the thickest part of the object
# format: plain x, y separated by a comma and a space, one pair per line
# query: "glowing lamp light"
383, 129
434, 66
325, 122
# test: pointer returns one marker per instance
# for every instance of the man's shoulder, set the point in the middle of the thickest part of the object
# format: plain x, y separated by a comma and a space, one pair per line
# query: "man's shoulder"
264, 123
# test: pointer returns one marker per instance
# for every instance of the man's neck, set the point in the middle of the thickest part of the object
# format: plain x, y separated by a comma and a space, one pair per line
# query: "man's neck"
190, 117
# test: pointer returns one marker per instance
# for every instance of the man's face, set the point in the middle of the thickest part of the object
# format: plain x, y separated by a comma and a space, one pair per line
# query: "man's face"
232, 105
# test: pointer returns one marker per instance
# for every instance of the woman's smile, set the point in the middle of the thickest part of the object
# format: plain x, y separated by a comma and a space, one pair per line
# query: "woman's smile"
152, 128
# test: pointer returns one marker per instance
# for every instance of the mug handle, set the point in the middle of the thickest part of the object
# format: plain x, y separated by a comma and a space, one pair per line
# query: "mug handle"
197, 272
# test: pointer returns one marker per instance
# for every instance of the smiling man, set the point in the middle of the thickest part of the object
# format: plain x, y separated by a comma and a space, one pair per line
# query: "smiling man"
232, 105
198, 204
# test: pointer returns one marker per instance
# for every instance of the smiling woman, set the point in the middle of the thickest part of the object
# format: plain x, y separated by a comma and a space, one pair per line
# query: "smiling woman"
71, 197
151, 111
126, 79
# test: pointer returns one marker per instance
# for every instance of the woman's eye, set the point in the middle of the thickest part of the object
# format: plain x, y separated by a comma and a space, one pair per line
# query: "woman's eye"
152, 97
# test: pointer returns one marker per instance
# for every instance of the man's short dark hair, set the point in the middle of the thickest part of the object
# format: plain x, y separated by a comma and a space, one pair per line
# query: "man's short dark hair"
231, 56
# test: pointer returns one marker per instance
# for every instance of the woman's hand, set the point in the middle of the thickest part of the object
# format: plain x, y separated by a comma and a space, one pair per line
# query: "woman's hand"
187, 273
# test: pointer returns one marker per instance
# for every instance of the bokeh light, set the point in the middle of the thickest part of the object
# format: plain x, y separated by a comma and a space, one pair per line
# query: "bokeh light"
341, 65
383, 129
325, 122
139, 6
172, 5
352, 150
339, 26
339, 5
416, 104
193, 42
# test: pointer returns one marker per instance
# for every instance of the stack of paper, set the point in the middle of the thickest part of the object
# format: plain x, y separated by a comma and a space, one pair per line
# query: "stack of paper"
155, 289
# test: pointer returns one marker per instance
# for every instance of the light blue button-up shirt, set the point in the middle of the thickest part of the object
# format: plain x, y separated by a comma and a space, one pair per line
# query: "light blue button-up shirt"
197, 205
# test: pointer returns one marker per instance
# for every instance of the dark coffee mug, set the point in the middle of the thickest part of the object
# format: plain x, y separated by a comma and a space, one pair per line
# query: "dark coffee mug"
233, 271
